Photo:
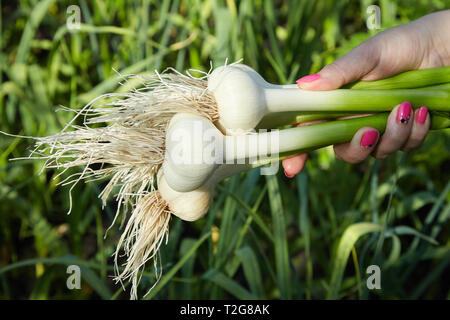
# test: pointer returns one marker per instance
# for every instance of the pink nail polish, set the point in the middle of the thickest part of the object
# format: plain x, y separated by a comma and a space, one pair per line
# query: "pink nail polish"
422, 114
368, 138
310, 78
287, 175
404, 112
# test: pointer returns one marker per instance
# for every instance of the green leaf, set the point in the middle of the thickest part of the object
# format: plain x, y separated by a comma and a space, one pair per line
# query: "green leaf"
395, 251
169, 275
348, 240
251, 271
304, 225
95, 282
188, 268
86, 273
36, 16
405, 230
228, 284
279, 235
252, 212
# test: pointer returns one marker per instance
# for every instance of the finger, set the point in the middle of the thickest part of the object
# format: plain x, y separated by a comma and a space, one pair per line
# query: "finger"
398, 129
419, 130
391, 51
348, 68
360, 147
293, 165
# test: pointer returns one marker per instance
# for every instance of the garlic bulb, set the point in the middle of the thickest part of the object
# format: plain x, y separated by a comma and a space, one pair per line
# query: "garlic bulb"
189, 206
244, 98
193, 205
184, 163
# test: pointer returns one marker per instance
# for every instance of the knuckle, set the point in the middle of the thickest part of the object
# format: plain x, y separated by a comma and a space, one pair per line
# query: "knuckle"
337, 70
412, 143
350, 157
396, 141
338, 156
415, 142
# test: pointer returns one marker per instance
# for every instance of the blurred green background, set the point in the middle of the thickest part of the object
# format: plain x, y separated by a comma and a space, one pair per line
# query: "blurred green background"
311, 237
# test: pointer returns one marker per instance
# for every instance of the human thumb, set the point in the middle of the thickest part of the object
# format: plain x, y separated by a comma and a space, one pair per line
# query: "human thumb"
348, 68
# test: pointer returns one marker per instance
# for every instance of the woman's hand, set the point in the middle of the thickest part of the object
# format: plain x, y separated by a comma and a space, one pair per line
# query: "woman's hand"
421, 44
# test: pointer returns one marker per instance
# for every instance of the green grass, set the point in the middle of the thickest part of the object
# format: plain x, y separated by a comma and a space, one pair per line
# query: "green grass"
311, 237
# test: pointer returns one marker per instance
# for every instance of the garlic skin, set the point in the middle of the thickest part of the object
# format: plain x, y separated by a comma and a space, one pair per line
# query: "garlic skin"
184, 166
188, 206
193, 205
197, 152
238, 90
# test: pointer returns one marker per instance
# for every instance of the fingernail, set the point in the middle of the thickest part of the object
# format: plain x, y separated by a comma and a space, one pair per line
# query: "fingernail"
287, 175
422, 114
369, 137
310, 78
404, 112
